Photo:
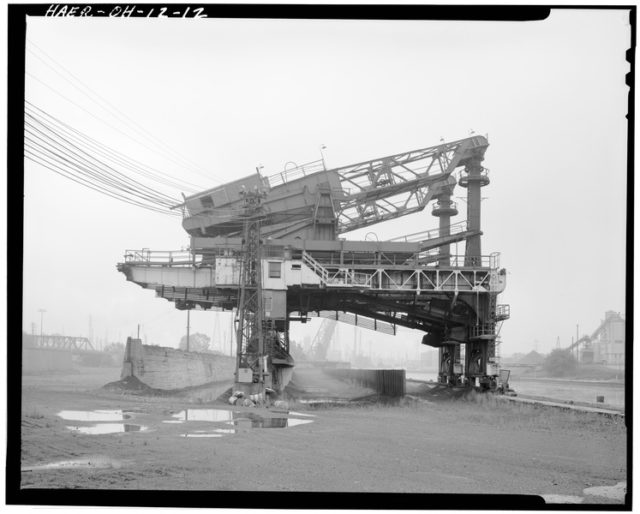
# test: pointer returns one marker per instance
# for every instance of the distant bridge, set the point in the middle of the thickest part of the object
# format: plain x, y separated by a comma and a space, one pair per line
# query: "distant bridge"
66, 343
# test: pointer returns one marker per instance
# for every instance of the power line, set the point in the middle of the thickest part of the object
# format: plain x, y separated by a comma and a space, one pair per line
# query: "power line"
61, 171
71, 169
115, 112
110, 153
91, 114
117, 178
68, 152
45, 146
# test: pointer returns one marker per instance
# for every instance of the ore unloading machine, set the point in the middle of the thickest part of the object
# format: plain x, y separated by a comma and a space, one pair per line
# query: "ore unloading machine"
272, 249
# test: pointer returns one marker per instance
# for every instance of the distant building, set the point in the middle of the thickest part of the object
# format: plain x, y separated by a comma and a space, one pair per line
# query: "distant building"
607, 342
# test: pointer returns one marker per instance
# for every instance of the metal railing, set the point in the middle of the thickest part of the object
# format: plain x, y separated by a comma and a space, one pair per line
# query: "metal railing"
484, 330
337, 277
451, 205
417, 237
317, 268
503, 311
422, 278
148, 257
463, 261
463, 175
287, 175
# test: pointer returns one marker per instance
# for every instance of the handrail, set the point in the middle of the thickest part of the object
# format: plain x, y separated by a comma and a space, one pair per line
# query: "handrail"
161, 257
317, 268
442, 205
287, 175
503, 311
484, 172
469, 278
459, 261
416, 237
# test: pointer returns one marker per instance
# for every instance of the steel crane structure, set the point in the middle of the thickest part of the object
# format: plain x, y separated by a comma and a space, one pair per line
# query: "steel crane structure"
271, 248
587, 341
320, 343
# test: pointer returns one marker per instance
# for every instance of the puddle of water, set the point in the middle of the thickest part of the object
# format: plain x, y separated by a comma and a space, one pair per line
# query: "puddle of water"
99, 461
256, 421
312, 402
201, 434
108, 428
561, 498
215, 415
612, 492
292, 422
93, 415
240, 419
304, 414
259, 423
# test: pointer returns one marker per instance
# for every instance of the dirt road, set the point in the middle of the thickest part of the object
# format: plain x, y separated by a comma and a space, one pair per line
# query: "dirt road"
459, 446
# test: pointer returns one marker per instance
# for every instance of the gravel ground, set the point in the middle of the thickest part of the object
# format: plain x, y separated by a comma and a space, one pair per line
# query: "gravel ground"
425, 444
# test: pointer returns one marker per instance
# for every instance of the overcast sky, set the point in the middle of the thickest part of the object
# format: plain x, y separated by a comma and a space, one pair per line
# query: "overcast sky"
229, 95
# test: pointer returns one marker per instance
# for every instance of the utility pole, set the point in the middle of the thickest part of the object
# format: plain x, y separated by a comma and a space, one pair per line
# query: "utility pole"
41, 311
324, 165
215, 331
188, 326
231, 335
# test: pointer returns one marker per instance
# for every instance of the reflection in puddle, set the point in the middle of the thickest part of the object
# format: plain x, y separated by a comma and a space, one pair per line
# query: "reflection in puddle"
214, 415
304, 414
99, 461
251, 420
93, 415
313, 402
201, 434
108, 428
239, 419
292, 422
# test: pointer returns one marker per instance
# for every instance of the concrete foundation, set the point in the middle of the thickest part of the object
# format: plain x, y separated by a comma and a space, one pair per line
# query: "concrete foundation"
167, 368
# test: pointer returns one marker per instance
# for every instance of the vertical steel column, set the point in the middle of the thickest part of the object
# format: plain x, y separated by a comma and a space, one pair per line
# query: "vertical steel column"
474, 180
444, 208
449, 356
474, 200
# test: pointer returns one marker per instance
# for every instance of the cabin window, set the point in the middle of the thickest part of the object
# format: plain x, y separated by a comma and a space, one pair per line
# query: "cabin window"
296, 267
275, 269
207, 202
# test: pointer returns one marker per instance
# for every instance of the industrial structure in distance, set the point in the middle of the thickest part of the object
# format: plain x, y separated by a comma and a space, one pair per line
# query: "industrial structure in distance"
272, 248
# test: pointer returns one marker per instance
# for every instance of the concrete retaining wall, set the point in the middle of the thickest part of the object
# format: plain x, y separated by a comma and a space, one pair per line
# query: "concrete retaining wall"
388, 382
168, 368
35, 360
